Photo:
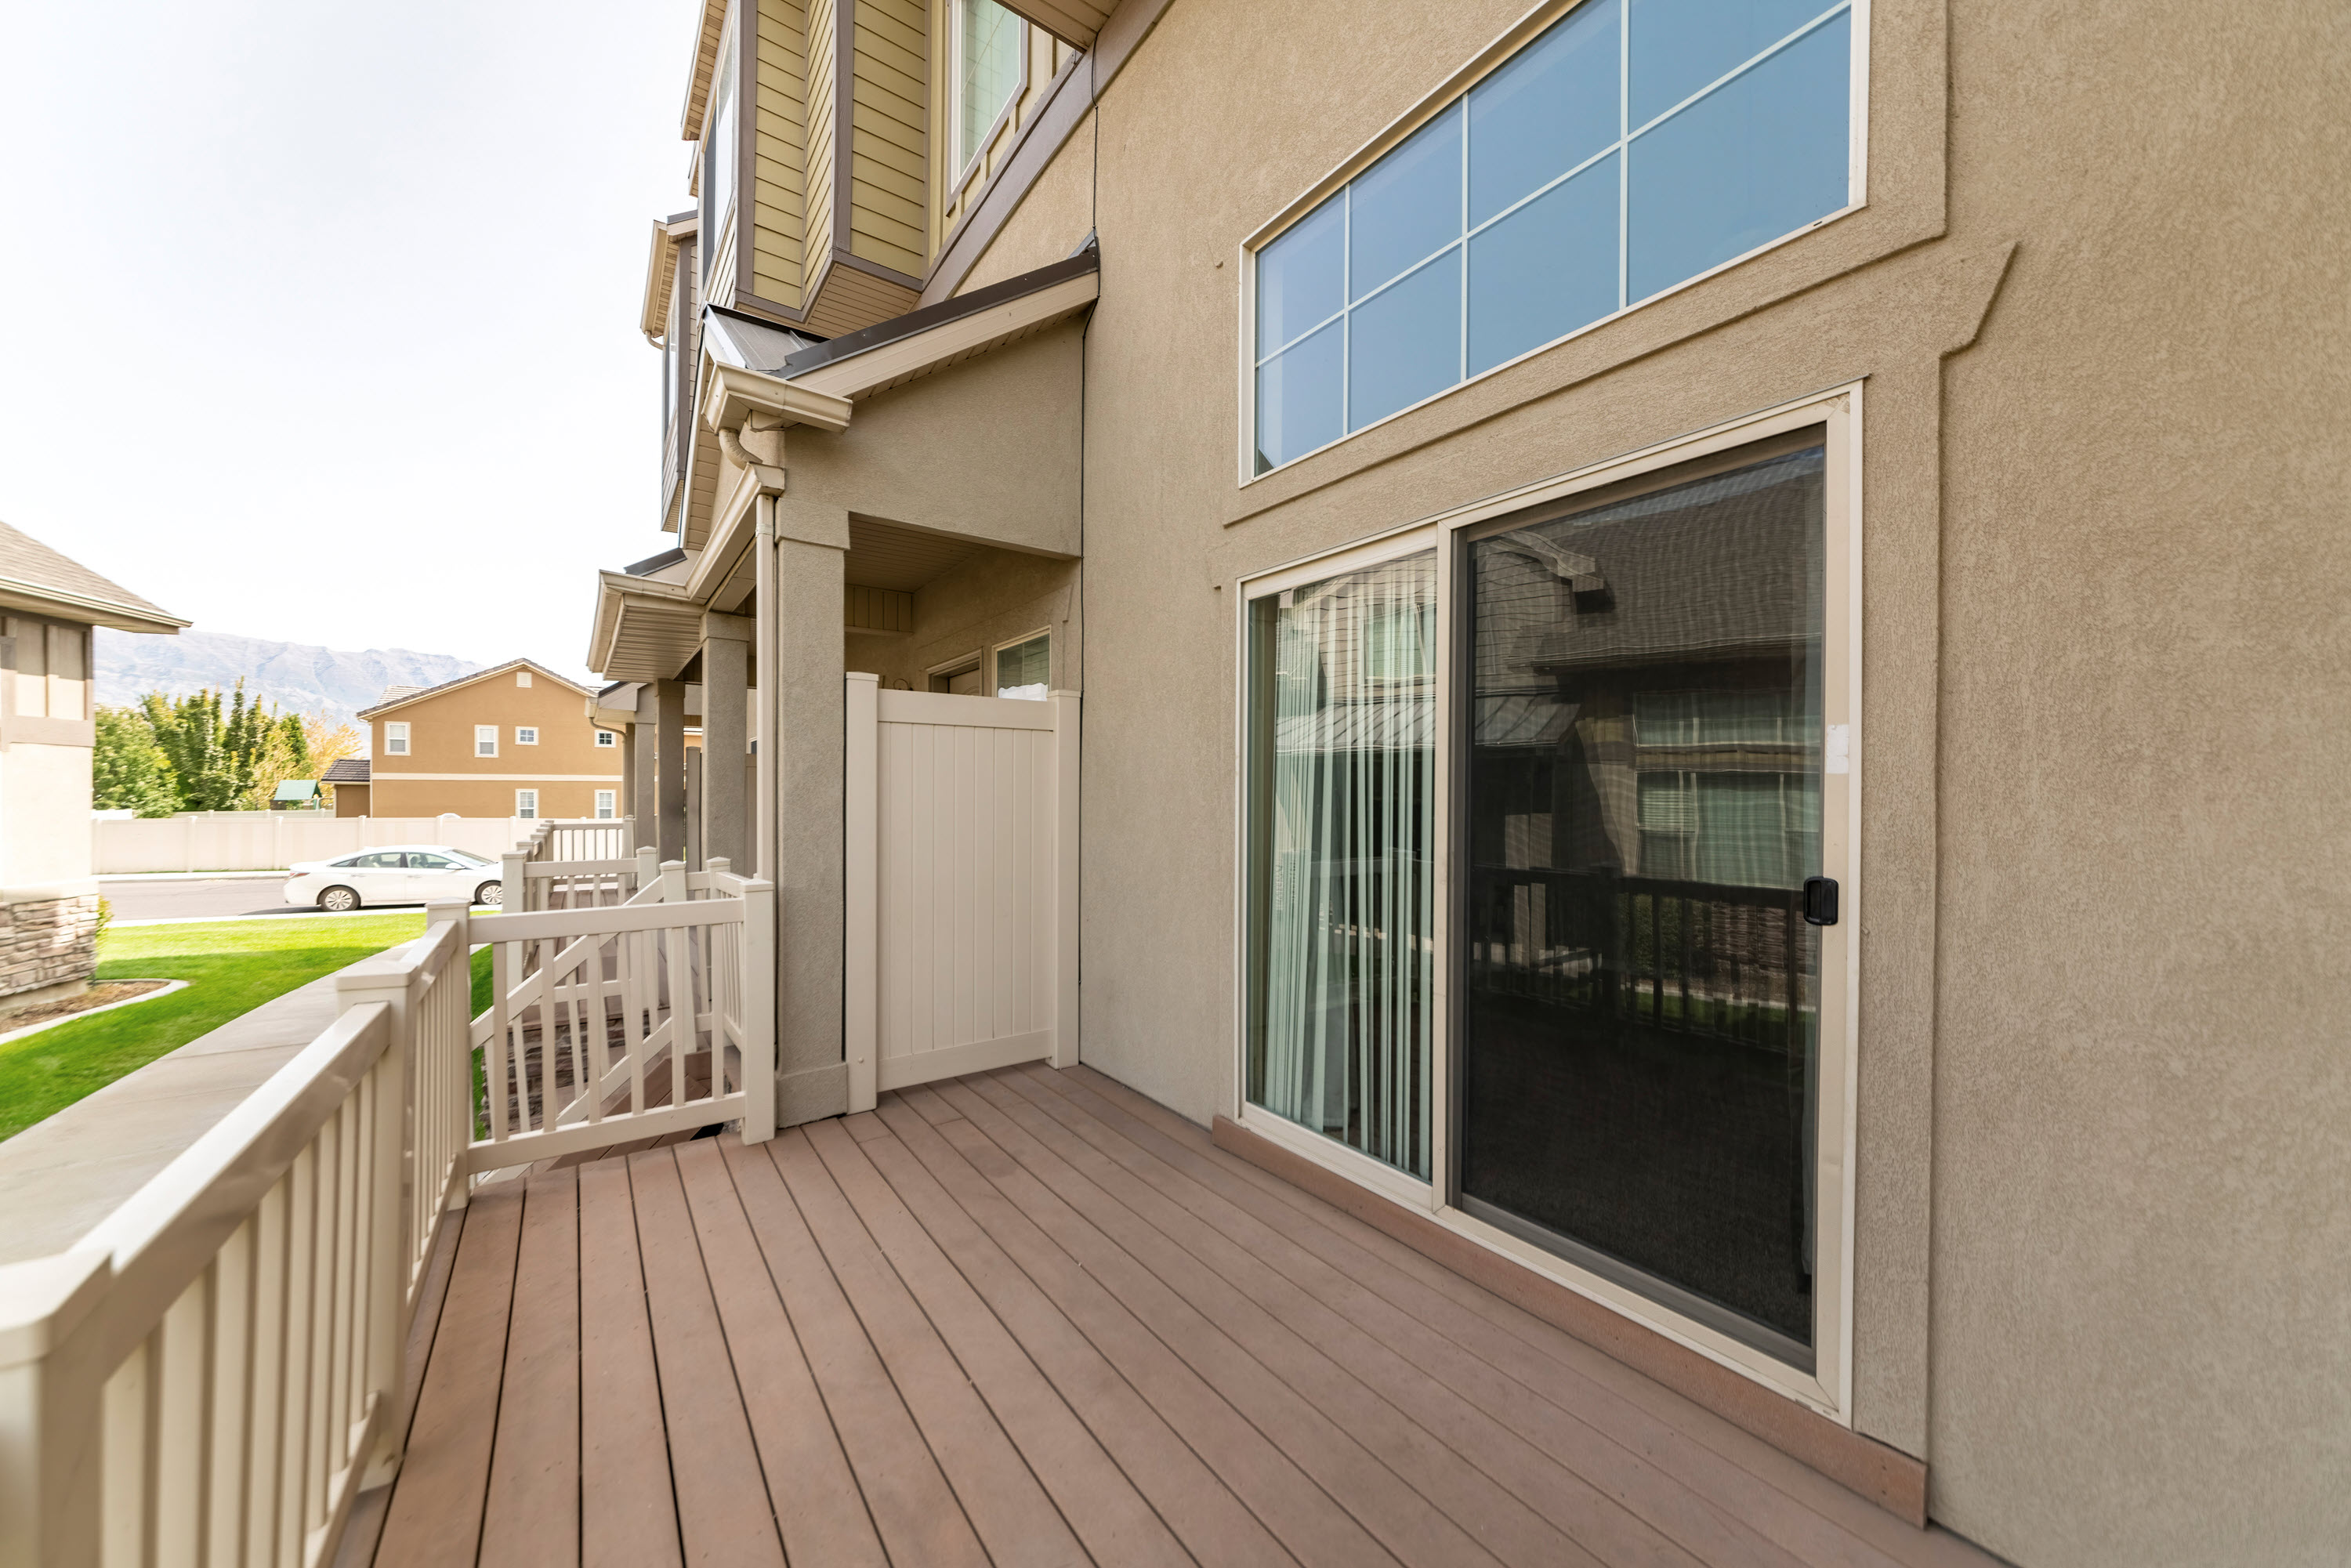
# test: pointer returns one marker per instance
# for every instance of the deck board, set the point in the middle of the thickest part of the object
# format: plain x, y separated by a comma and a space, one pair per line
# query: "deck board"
1031, 1317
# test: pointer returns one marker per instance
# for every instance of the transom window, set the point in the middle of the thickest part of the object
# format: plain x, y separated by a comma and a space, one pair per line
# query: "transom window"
1632, 146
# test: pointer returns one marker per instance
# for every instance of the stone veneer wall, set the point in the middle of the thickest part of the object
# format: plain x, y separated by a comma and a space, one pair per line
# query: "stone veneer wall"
47, 942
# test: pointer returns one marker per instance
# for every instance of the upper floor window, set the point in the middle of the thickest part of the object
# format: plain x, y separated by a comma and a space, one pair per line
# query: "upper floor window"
395, 740
526, 735
718, 148
486, 740
991, 58
1634, 145
605, 737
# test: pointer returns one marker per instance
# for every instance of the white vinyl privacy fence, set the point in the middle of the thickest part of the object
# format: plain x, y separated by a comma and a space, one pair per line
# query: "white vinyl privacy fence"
270, 841
214, 1373
962, 906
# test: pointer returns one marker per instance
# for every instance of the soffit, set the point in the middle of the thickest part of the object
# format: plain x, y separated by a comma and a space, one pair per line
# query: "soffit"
1074, 22
885, 555
661, 271
705, 63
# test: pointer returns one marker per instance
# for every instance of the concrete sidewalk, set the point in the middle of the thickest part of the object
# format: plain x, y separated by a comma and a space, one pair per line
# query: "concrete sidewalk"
59, 1177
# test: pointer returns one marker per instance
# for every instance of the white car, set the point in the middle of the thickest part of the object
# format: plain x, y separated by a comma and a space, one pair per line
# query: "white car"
396, 873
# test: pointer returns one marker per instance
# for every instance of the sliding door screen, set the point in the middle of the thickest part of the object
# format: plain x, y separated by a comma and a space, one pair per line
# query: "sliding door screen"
1342, 711
1641, 994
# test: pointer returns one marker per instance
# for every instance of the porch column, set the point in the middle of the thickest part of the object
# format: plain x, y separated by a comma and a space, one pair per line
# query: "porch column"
626, 805
669, 753
802, 715
644, 766
726, 670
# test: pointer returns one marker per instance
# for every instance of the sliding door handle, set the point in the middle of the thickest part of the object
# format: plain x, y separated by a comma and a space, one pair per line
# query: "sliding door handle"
1820, 900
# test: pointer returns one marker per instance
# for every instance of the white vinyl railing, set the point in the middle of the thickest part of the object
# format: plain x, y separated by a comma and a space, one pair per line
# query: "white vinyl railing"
610, 1022
583, 839
215, 1371
529, 885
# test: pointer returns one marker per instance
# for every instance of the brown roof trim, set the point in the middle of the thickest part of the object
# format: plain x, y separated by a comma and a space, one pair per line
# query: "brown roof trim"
1087, 260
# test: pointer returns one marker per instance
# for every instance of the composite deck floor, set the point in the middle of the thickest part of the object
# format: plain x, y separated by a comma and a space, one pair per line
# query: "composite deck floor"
1028, 1317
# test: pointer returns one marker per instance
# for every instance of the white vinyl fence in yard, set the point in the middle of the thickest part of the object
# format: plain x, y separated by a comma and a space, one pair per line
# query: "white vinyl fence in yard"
268, 841
214, 1373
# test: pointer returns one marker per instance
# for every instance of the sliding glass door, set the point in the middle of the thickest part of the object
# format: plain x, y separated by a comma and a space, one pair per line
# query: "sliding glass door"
1342, 782
1639, 1021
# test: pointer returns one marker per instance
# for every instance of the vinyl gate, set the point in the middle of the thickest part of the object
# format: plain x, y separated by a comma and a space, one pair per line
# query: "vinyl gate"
962, 897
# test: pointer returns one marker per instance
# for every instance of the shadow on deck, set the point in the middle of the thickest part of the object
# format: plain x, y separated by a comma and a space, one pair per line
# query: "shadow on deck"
1028, 1317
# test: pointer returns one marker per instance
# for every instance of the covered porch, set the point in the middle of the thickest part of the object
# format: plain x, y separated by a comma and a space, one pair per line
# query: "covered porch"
1031, 1317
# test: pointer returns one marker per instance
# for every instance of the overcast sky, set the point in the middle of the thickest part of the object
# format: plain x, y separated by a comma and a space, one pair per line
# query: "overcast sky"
323, 315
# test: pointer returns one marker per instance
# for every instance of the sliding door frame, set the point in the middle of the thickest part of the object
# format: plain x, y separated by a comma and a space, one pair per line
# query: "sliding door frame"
1837, 411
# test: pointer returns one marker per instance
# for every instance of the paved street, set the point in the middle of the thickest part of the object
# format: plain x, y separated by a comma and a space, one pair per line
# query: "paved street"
134, 899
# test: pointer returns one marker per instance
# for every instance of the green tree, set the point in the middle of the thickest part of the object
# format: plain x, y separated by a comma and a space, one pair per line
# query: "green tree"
129, 771
217, 755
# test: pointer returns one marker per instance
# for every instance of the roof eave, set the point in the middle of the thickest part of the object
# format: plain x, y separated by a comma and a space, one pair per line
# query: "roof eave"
67, 606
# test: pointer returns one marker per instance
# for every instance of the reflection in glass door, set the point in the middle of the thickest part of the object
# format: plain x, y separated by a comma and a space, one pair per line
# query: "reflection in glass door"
1640, 1009
1342, 757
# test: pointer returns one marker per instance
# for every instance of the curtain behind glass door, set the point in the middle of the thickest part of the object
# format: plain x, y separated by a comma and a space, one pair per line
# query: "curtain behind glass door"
1342, 682
1641, 994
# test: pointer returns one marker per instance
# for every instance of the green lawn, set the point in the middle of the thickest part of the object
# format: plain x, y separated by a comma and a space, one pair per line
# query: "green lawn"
231, 966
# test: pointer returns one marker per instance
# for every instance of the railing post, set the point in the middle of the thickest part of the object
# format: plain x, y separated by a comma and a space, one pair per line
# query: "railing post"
861, 935
755, 974
515, 881
1065, 878
52, 1396
648, 868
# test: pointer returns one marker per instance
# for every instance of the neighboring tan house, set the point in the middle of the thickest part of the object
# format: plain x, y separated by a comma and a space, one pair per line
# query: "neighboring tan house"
510, 741
48, 901
1638, 557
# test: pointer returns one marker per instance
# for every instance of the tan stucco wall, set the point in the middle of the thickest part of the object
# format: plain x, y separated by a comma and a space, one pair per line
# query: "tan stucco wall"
44, 832
2101, 1104
990, 449
2142, 1347
567, 767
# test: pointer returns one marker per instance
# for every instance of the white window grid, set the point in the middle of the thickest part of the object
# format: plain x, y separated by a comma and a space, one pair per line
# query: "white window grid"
526, 735
1627, 133
527, 803
606, 808
395, 740
486, 740
605, 737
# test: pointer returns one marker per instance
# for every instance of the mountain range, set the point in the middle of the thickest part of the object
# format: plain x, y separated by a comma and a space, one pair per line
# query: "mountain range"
296, 676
